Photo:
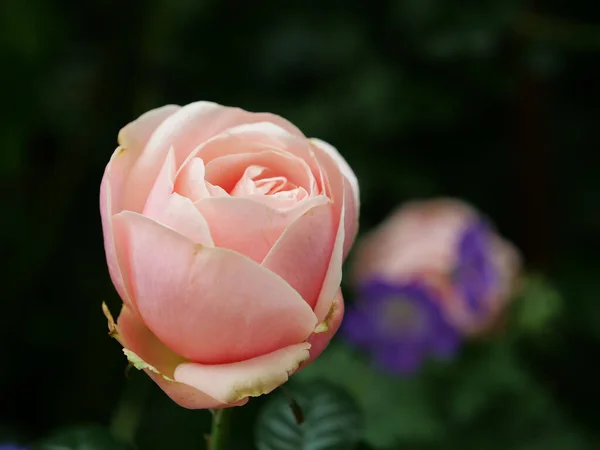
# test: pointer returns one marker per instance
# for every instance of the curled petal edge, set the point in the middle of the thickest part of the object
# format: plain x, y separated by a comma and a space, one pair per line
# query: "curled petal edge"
233, 382
325, 331
237, 381
184, 395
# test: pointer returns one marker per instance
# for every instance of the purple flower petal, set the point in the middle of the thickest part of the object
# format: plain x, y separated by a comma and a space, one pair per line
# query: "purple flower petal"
475, 275
445, 342
400, 359
357, 327
399, 325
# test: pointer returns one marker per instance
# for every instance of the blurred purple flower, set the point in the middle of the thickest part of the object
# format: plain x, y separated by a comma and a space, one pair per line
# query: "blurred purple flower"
399, 325
475, 276
11, 447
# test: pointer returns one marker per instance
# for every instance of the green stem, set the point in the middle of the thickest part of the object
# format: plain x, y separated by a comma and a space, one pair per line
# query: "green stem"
220, 429
128, 413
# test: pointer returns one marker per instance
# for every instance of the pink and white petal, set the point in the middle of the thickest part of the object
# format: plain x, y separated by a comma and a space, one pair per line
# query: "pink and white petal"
209, 305
233, 382
191, 182
115, 176
280, 201
341, 192
162, 189
225, 171
343, 165
351, 223
137, 338
183, 216
256, 137
333, 278
135, 135
301, 255
185, 130
249, 227
215, 191
188, 396
320, 339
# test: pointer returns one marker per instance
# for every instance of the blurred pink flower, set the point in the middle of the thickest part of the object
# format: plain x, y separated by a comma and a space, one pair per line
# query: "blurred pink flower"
449, 246
225, 233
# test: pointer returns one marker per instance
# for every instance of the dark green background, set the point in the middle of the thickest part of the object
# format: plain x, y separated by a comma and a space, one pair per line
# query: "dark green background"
494, 101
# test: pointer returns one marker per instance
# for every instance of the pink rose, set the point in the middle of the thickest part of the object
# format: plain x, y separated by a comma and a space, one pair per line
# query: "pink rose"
225, 233
450, 246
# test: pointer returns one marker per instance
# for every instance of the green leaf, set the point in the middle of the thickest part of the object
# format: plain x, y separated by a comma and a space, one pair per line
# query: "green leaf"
395, 409
81, 438
539, 303
331, 420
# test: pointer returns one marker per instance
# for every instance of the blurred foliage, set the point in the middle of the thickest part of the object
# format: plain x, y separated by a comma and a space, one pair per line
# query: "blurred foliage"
492, 101
81, 438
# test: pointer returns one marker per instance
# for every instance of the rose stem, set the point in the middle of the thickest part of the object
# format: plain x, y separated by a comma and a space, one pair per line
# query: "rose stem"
220, 428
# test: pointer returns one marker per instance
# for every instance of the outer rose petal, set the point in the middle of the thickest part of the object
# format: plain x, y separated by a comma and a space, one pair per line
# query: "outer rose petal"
136, 337
189, 127
340, 193
301, 255
333, 278
132, 138
112, 184
344, 188
319, 340
162, 188
135, 135
209, 305
344, 167
230, 383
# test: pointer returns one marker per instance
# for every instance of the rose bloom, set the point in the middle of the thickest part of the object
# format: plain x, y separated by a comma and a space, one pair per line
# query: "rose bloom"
450, 247
225, 232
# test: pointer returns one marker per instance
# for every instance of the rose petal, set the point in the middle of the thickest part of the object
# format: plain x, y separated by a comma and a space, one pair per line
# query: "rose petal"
301, 255
174, 210
183, 216
249, 227
227, 170
253, 138
191, 180
132, 138
343, 165
333, 278
347, 229
320, 339
111, 187
135, 135
229, 383
337, 170
136, 337
185, 130
162, 189
181, 289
